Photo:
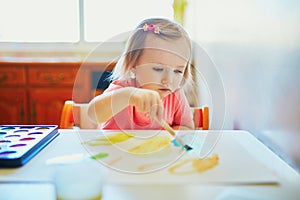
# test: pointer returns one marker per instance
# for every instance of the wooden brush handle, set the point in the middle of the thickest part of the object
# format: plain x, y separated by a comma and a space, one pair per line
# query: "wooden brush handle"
166, 126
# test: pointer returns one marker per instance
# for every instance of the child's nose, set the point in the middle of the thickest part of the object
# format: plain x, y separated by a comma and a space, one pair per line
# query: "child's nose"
167, 77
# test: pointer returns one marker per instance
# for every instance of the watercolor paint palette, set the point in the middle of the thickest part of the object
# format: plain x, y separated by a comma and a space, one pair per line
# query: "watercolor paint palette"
20, 143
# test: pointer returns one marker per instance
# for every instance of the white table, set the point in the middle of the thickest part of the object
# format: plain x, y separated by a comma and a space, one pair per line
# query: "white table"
34, 180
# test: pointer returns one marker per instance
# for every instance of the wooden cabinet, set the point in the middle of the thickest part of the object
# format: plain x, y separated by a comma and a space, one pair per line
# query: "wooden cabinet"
50, 87
52, 76
34, 93
13, 101
13, 106
11, 75
46, 104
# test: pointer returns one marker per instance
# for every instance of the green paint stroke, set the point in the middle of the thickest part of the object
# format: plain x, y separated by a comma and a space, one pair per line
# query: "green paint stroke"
99, 156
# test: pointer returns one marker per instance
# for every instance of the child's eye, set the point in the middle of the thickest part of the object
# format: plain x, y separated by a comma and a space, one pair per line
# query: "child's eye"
178, 71
158, 69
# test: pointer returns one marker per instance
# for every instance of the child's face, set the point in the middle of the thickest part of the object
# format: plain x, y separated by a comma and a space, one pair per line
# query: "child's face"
161, 66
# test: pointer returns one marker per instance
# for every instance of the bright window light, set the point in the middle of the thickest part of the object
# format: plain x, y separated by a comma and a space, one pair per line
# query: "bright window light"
39, 21
106, 19
53, 21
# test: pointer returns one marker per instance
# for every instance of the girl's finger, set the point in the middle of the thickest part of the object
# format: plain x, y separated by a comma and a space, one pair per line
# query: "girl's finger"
156, 112
160, 113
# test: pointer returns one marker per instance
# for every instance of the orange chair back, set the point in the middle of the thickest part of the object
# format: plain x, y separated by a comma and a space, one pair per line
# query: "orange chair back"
70, 116
201, 117
74, 115
66, 119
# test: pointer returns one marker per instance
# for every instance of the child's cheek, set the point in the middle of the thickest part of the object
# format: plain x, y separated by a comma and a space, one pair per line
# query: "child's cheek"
178, 83
146, 82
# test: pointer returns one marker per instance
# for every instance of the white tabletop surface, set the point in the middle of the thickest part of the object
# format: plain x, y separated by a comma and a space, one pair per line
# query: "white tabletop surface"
35, 179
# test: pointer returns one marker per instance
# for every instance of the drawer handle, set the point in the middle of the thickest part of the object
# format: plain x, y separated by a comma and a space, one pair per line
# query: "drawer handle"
54, 80
3, 78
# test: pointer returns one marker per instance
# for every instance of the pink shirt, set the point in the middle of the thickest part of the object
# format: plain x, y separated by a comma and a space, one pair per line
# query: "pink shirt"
176, 110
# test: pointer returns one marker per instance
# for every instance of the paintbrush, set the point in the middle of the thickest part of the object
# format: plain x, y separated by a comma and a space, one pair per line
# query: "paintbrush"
176, 141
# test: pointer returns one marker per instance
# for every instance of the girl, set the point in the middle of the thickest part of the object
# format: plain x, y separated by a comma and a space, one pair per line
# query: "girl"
148, 81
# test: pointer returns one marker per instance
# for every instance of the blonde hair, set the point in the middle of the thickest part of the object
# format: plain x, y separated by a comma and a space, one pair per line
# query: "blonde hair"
168, 30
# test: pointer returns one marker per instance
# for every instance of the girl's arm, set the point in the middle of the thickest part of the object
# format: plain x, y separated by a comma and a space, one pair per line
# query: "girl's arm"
106, 105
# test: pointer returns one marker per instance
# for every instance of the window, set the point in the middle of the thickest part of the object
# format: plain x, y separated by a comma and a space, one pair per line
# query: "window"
104, 19
72, 21
39, 21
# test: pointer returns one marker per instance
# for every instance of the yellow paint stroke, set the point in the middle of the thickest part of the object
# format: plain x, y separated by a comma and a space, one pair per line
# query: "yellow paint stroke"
114, 161
198, 165
149, 166
109, 139
152, 145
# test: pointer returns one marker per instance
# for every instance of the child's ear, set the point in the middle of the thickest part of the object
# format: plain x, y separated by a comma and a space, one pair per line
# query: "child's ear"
132, 72
133, 69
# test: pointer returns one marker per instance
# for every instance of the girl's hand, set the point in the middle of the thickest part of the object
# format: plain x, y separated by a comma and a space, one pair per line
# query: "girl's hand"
147, 101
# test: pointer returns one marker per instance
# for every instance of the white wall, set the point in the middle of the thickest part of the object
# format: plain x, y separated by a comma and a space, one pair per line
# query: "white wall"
255, 47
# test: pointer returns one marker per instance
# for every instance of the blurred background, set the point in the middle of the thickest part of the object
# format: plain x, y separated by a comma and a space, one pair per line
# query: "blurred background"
255, 46
246, 52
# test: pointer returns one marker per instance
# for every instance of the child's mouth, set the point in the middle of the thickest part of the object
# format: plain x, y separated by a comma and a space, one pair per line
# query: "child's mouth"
164, 90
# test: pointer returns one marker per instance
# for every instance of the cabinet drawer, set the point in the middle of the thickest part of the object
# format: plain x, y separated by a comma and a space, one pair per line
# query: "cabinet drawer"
52, 75
11, 75
13, 106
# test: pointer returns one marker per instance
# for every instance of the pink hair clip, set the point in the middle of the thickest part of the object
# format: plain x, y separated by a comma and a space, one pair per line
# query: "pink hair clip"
151, 27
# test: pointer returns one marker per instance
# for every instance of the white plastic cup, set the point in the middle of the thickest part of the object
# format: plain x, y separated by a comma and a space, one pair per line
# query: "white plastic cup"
79, 181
